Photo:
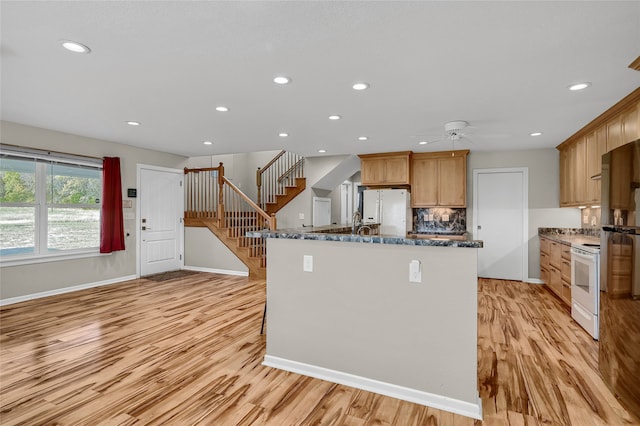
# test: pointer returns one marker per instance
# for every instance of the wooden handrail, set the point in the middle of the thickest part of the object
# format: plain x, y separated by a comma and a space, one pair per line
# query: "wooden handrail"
280, 154
290, 170
270, 219
204, 169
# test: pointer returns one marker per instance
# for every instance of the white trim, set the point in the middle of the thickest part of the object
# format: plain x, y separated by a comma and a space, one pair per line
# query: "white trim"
216, 271
525, 209
534, 281
10, 261
140, 166
57, 291
456, 406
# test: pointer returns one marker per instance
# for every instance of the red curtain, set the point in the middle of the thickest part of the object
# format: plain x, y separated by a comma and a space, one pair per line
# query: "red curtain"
111, 227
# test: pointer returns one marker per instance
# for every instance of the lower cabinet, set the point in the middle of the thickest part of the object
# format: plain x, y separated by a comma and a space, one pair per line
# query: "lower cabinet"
555, 267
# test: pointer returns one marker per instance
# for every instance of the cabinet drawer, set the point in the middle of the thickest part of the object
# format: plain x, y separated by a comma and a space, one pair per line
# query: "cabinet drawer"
555, 281
544, 260
566, 292
566, 251
556, 254
565, 270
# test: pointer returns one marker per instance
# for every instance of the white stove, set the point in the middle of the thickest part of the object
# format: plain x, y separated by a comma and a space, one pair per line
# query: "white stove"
585, 286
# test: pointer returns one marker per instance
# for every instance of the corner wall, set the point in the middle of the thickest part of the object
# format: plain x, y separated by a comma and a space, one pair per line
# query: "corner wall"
544, 193
23, 280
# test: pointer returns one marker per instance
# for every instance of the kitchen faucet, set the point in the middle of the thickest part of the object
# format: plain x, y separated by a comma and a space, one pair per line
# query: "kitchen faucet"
357, 218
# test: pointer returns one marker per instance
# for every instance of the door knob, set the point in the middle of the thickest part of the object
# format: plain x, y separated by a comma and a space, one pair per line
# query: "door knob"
479, 227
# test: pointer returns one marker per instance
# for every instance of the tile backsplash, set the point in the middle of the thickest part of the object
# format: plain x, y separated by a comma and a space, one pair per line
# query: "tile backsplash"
439, 220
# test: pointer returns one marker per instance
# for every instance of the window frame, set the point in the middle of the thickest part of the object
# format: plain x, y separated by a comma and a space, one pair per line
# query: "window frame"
44, 160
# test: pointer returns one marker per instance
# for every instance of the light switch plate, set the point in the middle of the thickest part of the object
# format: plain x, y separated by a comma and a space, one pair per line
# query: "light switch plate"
307, 263
445, 218
301, 216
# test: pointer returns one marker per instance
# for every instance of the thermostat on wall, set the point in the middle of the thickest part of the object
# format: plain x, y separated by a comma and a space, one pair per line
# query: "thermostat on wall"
132, 192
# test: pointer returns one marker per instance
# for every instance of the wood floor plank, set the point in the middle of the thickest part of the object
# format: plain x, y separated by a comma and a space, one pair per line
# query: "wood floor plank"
188, 352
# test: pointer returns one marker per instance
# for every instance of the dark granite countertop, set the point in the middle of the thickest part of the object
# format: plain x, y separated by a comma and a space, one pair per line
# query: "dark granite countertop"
570, 236
342, 233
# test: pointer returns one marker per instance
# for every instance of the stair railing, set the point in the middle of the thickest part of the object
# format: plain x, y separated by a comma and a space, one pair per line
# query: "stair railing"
276, 175
202, 192
210, 195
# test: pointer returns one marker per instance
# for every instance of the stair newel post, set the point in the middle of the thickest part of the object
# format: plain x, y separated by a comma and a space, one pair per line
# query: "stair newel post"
259, 185
221, 221
272, 222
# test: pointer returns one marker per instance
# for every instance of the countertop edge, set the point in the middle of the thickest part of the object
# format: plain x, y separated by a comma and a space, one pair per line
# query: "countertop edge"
373, 239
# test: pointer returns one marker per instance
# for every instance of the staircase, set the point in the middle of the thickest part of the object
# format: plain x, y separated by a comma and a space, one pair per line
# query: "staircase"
212, 201
280, 181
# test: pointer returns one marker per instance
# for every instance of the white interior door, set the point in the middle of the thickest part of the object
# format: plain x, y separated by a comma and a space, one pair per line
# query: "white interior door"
160, 227
321, 211
500, 210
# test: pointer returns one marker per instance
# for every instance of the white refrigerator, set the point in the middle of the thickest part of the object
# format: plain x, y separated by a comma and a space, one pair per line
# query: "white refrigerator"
391, 208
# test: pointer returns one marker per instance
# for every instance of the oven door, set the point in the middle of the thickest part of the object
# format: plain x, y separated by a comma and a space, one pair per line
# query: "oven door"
584, 280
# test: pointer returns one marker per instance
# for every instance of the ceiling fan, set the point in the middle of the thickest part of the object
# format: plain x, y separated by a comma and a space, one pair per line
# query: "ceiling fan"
453, 131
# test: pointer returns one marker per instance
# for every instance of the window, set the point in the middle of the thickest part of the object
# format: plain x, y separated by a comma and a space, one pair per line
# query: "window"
49, 204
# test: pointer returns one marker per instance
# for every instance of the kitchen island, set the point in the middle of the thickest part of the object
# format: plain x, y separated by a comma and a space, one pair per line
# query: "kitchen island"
342, 308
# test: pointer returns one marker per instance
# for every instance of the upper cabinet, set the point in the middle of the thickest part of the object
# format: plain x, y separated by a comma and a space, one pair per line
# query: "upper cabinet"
439, 179
387, 169
581, 154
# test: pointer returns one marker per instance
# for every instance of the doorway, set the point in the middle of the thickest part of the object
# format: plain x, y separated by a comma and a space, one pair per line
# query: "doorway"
500, 219
160, 230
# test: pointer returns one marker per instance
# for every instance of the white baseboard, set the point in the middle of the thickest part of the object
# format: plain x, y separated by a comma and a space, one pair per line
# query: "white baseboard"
24, 298
534, 281
216, 271
468, 409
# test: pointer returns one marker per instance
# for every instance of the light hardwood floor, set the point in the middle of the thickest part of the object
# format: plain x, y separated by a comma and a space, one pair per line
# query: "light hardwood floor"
188, 352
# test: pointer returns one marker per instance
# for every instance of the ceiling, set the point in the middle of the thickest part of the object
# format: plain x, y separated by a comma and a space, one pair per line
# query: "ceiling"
502, 66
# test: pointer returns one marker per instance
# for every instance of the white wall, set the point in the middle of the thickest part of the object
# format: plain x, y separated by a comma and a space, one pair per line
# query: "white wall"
544, 193
357, 313
314, 169
18, 281
204, 251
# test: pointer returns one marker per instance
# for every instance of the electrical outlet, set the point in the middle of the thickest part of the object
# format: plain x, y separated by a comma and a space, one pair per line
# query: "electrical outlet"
445, 218
301, 216
585, 219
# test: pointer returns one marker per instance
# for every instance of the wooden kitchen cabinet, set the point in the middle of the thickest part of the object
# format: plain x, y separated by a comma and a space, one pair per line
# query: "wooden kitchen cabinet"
581, 154
573, 166
439, 179
555, 267
386, 169
596, 147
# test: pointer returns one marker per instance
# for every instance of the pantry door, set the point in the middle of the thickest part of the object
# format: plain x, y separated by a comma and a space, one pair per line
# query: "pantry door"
500, 219
160, 219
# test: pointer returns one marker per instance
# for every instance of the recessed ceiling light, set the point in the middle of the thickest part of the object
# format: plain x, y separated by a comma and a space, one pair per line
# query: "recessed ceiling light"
423, 142
360, 86
579, 86
362, 138
282, 80
133, 123
222, 109
207, 143
536, 134
283, 134
322, 151
75, 47
334, 117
